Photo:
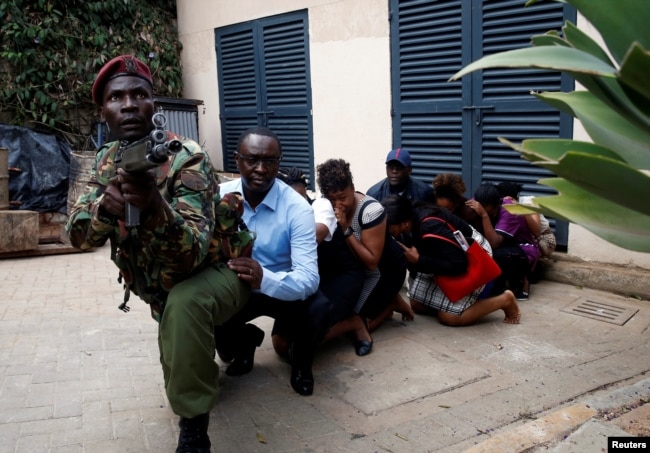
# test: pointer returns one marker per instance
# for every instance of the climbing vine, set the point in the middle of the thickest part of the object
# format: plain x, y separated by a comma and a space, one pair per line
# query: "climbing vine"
51, 50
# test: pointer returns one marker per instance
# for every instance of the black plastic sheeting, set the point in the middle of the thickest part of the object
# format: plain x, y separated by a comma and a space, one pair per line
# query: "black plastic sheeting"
43, 163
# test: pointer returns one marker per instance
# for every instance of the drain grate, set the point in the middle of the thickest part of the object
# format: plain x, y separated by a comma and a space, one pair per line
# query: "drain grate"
601, 311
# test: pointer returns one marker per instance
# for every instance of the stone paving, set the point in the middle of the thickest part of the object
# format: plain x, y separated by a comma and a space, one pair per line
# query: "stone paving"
79, 375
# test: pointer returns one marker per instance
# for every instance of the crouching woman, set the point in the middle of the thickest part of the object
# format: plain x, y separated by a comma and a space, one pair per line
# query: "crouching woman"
431, 255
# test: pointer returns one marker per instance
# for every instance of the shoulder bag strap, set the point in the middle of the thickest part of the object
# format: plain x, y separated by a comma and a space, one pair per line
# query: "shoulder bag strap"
431, 235
451, 227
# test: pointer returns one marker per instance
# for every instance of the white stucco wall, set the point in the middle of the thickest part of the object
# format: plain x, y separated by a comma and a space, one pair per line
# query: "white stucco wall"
350, 74
350, 81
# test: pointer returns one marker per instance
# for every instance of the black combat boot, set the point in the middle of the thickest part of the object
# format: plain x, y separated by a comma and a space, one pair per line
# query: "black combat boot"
194, 435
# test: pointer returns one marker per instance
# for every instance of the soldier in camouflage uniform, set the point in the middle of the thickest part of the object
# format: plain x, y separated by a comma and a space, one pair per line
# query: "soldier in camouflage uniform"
168, 259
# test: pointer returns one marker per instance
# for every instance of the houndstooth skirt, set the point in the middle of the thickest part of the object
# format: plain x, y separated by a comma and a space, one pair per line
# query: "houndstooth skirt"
425, 290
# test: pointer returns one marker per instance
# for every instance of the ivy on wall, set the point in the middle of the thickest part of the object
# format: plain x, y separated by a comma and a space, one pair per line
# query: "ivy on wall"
51, 50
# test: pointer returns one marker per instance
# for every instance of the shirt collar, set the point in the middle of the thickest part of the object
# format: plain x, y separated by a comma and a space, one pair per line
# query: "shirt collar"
270, 200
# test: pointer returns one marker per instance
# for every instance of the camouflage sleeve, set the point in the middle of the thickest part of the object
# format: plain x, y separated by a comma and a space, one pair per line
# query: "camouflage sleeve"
178, 235
85, 227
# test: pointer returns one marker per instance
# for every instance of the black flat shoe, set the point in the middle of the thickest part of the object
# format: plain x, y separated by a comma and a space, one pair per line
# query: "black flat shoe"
363, 347
245, 357
302, 381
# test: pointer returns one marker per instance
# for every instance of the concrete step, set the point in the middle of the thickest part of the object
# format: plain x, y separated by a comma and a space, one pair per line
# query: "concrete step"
628, 280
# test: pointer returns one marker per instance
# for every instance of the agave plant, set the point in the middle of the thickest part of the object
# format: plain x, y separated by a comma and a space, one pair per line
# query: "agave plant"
603, 185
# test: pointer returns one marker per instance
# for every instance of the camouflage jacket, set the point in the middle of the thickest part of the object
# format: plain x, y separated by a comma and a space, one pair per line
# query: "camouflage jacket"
167, 247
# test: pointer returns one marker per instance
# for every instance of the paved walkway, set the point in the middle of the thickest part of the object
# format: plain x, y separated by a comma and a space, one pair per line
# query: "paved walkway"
78, 375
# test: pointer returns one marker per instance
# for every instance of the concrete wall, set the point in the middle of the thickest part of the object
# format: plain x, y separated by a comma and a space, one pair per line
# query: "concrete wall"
350, 80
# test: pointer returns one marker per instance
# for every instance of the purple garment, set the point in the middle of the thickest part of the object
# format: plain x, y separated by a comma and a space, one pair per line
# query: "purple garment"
515, 227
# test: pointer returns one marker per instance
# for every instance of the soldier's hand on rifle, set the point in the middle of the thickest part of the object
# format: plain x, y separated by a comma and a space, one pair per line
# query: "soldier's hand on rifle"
140, 189
113, 201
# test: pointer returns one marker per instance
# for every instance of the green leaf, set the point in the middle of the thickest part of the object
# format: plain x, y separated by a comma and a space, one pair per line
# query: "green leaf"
520, 209
610, 179
616, 224
635, 70
591, 167
620, 23
581, 41
605, 127
552, 150
554, 58
587, 63
614, 95
550, 38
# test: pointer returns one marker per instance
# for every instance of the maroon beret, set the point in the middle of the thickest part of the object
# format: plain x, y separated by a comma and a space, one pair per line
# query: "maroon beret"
124, 65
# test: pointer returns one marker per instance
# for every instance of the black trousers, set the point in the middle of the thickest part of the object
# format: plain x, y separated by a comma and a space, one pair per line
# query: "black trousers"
514, 267
307, 322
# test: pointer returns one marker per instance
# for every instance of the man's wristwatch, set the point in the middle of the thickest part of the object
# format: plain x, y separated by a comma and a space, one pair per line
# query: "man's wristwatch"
349, 232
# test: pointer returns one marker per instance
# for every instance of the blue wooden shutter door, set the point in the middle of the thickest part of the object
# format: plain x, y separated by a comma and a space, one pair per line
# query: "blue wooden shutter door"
287, 88
238, 86
264, 79
426, 49
453, 126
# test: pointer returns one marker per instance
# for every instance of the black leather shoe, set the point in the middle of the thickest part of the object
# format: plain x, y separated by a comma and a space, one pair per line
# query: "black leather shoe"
245, 357
363, 347
302, 381
194, 435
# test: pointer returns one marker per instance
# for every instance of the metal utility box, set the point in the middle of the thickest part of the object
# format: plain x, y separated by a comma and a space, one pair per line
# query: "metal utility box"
182, 115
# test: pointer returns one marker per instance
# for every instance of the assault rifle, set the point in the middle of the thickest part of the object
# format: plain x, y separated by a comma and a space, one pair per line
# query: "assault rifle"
148, 152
